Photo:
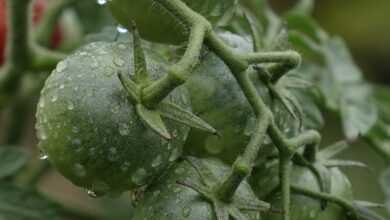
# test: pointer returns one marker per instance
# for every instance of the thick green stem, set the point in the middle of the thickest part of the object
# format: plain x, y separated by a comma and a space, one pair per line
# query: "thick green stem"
285, 179
285, 57
243, 165
178, 73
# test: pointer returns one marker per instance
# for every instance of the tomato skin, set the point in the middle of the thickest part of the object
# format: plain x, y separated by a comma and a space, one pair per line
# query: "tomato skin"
90, 130
156, 23
167, 200
39, 8
302, 207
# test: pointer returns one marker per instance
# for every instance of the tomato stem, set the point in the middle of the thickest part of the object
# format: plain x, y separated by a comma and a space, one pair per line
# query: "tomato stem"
22, 53
325, 196
178, 73
17, 52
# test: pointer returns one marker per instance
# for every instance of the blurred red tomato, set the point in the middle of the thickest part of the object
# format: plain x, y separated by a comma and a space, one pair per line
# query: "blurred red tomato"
39, 7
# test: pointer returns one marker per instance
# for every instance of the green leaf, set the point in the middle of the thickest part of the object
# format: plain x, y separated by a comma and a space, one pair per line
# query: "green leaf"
351, 95
26, 204
153, 120
12, 160
178, 114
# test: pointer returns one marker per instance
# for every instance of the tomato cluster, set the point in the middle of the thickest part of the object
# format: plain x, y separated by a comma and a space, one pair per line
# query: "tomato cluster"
95, 129
39, 7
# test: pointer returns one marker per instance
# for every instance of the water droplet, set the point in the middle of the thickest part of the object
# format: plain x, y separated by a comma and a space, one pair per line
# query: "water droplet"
124, 129
43, 156
101, 2
61, 66
92, 194
119, 61
121, 29
139, 176
157, 161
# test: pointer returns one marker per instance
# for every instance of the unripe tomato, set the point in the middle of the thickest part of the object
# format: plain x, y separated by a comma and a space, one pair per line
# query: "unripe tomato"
303, 207
39, 7
166, 199
91, 132
157, 23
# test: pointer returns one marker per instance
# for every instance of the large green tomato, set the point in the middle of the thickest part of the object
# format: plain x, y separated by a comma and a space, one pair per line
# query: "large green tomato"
167, 200
302, 207
91, 132
157, 23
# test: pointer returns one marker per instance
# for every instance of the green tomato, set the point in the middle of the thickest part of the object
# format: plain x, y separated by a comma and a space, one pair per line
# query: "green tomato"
167, 200
157, 23
91, 132
302, 207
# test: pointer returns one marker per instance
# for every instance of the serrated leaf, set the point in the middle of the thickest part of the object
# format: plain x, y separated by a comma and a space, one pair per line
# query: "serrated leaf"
306, 25
12, 160
344, 163
353, 97
152, 119
26, 204
178, 114
332, 150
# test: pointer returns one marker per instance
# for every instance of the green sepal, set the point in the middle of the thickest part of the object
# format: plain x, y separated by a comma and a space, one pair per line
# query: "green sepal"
132, 89
141, 75
152, 118
183, 116
344, 163
332, 150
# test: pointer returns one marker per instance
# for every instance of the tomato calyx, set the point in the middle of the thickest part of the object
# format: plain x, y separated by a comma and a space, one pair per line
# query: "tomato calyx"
153, 116
208, 190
